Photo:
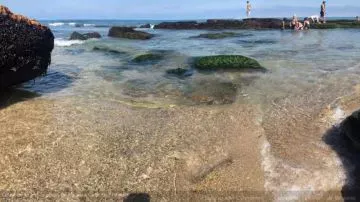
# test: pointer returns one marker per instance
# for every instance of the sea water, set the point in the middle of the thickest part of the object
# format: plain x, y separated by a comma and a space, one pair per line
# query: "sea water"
307, 71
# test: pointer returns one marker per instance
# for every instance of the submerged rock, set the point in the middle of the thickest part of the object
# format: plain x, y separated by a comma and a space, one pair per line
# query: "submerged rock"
180, 72
221, 35
108, 50
148, 57
128, 33
25, 51
86, 36
212, 92
350, 127
227, 62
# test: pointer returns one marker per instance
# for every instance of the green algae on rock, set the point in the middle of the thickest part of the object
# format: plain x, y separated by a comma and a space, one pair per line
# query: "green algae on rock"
148, 57
337, 25
229, 62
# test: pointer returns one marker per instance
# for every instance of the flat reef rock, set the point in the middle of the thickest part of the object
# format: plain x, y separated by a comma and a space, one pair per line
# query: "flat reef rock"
250, 23
25, 51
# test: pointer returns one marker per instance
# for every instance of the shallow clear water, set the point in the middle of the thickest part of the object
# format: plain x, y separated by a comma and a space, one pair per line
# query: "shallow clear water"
296, 59
308, 71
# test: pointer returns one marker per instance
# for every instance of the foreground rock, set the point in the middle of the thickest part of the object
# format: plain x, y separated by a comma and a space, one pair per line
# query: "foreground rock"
227, 62
86, 36
25, 51
128, 33
351, 128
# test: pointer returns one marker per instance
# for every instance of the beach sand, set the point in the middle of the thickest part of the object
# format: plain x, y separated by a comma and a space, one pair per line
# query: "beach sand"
86, 149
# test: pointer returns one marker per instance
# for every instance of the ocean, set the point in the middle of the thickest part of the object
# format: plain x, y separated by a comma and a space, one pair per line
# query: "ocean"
108, 123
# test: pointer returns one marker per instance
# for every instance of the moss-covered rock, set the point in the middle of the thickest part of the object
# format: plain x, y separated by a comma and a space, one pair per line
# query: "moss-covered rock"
337, 25
230, 62
148, 57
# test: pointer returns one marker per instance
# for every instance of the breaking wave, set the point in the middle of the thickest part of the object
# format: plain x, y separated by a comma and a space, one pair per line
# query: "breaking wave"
65, 43
56, 24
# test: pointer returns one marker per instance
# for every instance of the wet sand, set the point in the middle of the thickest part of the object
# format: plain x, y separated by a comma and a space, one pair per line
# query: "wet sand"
99, 149
73, 149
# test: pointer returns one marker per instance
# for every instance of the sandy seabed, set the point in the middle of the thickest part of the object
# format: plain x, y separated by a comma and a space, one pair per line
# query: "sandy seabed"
91, 149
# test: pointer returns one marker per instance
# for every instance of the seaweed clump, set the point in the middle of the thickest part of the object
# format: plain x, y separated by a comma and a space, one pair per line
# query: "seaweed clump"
227, 62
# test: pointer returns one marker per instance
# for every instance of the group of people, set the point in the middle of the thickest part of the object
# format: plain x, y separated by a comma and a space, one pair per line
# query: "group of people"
295, 24
322, 10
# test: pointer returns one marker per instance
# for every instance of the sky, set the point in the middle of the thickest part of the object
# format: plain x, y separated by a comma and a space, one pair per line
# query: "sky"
176, 9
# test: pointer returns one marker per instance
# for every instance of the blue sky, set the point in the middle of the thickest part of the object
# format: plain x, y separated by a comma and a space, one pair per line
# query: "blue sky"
175, 9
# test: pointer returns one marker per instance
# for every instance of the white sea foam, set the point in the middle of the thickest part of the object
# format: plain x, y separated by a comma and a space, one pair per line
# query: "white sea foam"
152, 26
89, 25
64, 43
72, 24
56, 24
292, 184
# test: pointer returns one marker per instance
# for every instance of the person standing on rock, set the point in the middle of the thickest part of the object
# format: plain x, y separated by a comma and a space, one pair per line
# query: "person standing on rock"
323, 11
248, 9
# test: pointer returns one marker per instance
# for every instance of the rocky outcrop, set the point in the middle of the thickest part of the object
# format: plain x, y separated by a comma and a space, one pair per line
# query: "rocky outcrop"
86, 36
350, 127
251, 23
128, 33
25, 51
146, 26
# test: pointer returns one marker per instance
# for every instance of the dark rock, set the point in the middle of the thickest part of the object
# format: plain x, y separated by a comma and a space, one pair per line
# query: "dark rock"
106, 49
148, 57
251, 23
86, 36
337, 24
180, 72
146, 26
262, 23
177, 25
25, 50
350, 127
128, 33
227, 62
221, 35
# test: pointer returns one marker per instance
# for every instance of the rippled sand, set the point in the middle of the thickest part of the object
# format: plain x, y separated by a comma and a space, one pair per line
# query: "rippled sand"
78, 148
70, 147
